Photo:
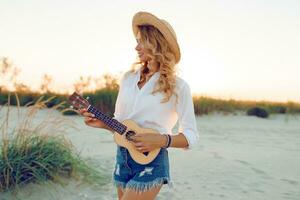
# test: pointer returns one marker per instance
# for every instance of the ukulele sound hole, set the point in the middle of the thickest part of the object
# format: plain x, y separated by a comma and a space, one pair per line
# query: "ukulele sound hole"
129, 134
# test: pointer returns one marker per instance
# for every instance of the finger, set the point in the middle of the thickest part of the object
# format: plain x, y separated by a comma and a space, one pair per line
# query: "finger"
87, 114
83, 113
142, 149
136, 138
138, 144
138, 135
88, 119
82, 110
145, 150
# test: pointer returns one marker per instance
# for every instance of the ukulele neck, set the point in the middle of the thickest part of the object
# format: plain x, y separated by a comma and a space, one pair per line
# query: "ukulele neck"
110, 122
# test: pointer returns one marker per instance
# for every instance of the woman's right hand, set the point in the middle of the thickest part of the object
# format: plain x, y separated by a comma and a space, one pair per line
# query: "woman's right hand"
90, 120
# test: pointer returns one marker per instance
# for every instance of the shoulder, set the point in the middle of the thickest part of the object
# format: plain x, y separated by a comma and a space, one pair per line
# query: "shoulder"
128, 76
181, 84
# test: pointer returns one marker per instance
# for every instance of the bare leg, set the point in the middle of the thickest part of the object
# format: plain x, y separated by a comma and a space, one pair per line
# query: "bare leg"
148, 195
120, 193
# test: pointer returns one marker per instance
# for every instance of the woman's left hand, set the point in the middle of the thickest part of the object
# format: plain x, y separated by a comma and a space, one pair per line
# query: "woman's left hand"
148, 141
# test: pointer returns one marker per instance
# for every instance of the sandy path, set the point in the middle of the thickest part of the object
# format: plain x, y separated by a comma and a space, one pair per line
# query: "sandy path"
238, 157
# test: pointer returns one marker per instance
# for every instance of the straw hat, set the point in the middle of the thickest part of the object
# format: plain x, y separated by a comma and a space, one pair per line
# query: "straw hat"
145, 18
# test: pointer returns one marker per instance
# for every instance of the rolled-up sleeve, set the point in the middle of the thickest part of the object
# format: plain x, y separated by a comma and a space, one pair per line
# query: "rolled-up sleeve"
186, 116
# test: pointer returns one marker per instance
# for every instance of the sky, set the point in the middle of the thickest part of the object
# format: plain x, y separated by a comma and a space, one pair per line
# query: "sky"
237, 49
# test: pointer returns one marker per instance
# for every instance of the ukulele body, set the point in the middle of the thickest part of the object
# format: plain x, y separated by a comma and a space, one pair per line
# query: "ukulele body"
136, 155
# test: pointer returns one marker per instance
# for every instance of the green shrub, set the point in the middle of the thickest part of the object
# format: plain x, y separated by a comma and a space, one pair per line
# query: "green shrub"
259, 112
40, 152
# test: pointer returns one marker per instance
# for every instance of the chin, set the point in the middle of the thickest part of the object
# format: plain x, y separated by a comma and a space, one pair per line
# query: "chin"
143, 60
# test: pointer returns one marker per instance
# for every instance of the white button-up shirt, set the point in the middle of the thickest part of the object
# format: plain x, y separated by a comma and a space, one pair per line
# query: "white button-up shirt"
147, 110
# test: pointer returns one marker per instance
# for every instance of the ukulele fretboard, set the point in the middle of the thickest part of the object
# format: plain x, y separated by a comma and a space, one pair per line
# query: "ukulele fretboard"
112, 123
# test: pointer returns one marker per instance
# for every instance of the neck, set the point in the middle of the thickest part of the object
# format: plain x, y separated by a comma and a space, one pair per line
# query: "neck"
151, 67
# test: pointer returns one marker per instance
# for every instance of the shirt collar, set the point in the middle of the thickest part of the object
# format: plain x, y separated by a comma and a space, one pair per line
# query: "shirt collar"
151, 81
155, 76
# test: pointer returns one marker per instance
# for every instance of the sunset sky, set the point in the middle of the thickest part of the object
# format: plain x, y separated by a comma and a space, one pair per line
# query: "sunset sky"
230, 49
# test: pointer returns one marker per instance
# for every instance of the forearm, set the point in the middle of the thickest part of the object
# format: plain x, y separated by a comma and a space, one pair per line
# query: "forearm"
179, 141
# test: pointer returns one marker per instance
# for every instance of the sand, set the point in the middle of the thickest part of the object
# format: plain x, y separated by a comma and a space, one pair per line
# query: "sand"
238, 157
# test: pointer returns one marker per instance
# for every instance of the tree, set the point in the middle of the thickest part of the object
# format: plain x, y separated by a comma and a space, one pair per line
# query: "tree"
82, 84
46, 81
8, 74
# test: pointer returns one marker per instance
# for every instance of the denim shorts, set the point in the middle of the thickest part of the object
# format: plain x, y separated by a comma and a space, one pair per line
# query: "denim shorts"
138, 177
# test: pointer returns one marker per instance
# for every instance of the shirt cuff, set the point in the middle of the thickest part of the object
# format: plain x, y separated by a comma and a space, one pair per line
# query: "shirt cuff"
191, 137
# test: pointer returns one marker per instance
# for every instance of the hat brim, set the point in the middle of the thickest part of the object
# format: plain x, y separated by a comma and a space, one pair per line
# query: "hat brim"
145, 18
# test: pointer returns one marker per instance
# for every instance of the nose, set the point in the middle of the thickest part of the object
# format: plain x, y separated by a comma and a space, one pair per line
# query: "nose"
138, 47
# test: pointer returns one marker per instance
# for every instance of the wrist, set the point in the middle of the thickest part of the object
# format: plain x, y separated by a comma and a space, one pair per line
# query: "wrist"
167, 141
163, 141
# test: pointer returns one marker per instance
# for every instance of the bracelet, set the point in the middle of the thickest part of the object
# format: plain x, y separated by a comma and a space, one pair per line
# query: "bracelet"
165, 146
169, 139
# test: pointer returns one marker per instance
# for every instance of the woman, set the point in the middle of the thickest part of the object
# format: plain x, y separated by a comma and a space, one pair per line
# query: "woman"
154, 97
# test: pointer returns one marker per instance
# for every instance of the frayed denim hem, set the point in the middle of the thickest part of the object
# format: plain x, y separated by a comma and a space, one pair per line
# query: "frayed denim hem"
140, 187
120, 184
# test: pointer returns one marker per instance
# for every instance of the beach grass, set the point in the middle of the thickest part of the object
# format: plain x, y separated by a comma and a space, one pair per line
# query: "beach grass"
205, 105
105, 98
36, 152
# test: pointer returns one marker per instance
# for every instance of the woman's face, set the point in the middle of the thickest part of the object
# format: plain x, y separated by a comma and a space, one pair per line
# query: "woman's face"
140, 49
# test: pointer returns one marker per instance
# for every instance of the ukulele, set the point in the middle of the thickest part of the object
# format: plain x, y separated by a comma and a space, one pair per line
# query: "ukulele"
123, 131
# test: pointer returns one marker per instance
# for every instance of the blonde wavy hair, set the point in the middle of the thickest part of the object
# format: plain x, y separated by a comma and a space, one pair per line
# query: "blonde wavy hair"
158, 50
